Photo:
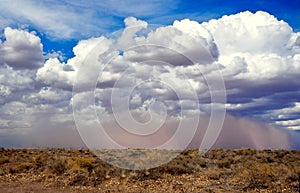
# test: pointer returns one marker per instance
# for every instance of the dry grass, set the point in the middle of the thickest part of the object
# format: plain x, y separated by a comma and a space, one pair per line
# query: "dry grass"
218, 170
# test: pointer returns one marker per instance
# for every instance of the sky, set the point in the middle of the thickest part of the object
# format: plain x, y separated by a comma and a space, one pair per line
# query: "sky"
111, 74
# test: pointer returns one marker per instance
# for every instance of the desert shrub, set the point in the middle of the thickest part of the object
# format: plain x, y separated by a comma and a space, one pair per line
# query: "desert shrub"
258, 176
22, 167
154, 174
281, 153
213, 173
102, 173
265, 157
4, 160
225, 163
215, 154
177, 167
4, 170
86, 163
191, 153
79, 178
268, 151
202, 162
245, 152
293, 174
59, 166
39, 161
82, 163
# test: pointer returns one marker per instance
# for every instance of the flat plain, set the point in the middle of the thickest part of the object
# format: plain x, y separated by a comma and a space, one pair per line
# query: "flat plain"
218, 170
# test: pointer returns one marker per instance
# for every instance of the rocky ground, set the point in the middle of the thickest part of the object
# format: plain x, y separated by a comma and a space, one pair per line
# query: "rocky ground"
60, 170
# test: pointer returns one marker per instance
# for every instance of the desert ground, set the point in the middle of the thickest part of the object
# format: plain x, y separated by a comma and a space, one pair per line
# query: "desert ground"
218, 170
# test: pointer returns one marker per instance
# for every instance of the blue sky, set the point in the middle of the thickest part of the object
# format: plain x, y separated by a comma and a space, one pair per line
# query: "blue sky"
98, 18
255, 45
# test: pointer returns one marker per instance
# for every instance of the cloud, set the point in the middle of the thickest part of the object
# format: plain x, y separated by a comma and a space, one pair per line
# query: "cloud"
62, 75
21, 49
247, 32
186, 37
169, 71
78, 19
252, 67
54, 74
14, 83
259, 61
38, 15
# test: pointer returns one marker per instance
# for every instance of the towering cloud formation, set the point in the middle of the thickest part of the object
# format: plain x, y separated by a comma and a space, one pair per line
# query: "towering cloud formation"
21, 49
160, 69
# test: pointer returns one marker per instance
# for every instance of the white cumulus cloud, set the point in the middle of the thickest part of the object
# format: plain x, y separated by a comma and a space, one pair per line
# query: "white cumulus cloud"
21, 49
167, 69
